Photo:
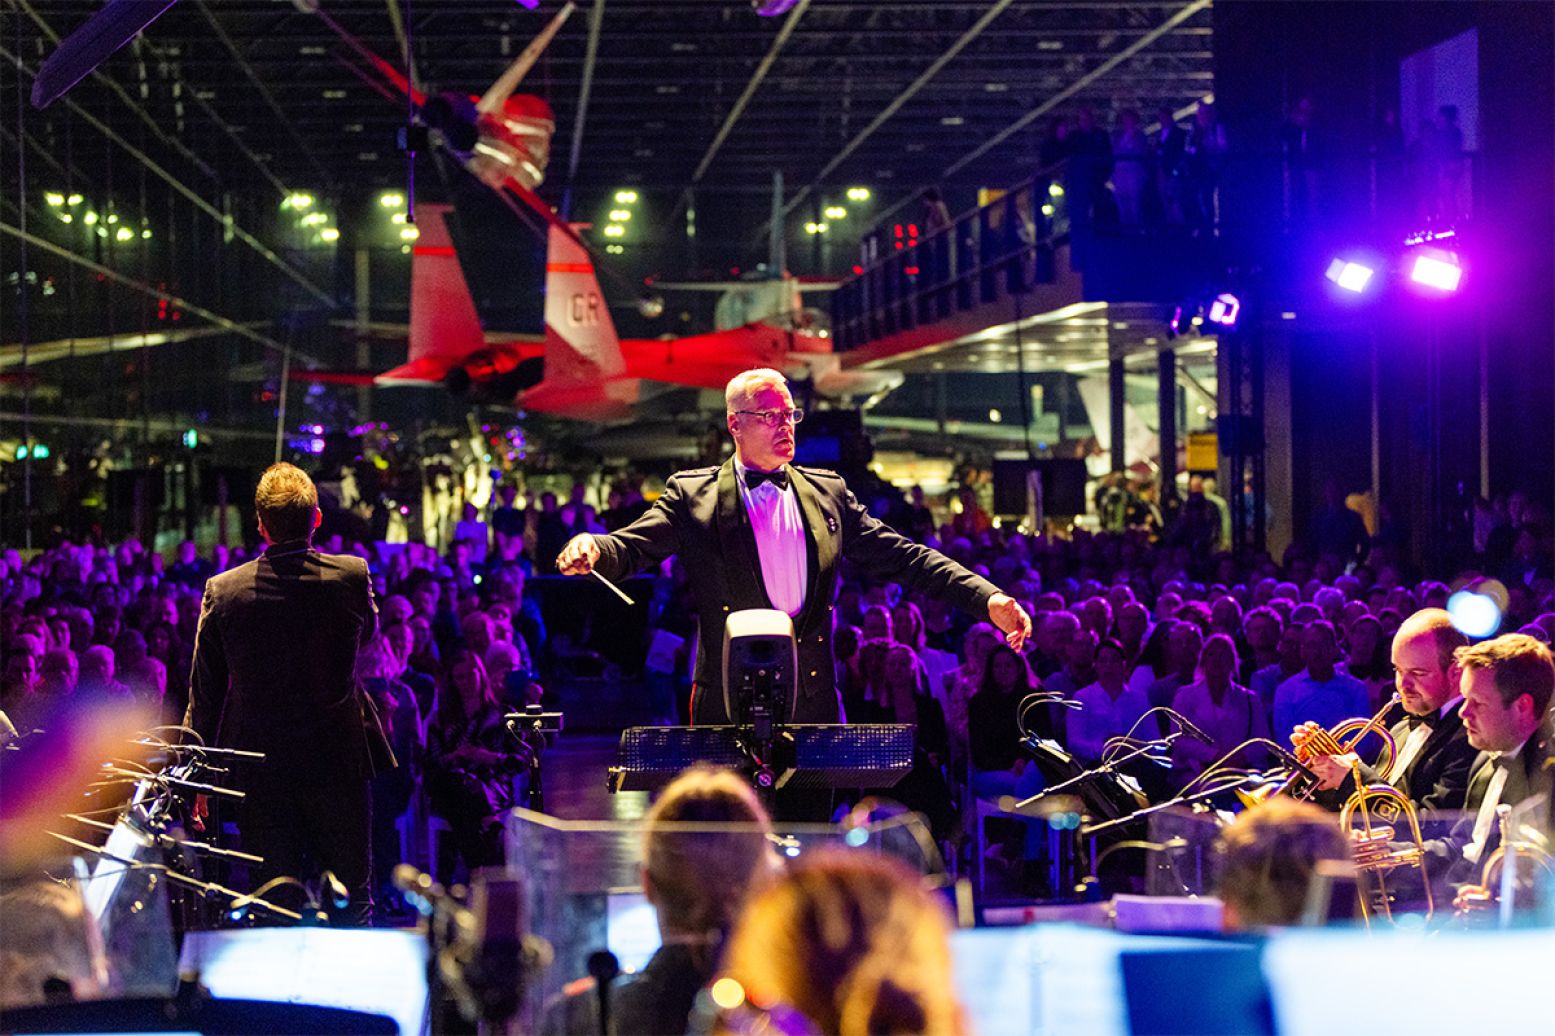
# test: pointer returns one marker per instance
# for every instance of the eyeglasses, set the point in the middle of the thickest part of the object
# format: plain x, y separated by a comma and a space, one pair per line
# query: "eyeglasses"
773, 418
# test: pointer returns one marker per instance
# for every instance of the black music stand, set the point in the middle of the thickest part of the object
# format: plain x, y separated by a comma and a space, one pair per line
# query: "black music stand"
806, 755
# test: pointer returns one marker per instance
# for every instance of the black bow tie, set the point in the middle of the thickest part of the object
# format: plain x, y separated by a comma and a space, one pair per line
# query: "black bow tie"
778, 478
1417, 721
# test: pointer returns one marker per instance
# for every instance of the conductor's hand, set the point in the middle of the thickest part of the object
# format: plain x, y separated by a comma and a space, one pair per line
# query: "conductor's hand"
1006, 613
579, 556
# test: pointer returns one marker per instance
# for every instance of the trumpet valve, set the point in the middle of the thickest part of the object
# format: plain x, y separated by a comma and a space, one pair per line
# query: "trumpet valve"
1374, 849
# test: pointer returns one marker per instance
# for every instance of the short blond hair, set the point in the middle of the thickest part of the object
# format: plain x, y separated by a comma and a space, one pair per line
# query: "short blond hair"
700, 879
286, 500
743, 386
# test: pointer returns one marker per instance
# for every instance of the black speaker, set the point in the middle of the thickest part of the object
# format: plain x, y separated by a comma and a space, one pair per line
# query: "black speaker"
1062, 480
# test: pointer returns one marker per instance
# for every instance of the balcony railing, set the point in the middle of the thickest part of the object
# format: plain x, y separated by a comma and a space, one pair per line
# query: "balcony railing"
911, 279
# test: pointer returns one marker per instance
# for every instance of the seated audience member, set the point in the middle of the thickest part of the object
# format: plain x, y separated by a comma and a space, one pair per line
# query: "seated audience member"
377, 667
1268, 858
1054, 632
52, 948
1214, 703
697, 882
1366, 659
964, 683
1133, 627
1079, 665
97, 675
1433, 754
847, 943
1320, 693
1183, 647
1108, 707
1151, 662
1266, 680
471, 761
999, 766
1261, 629
905, 698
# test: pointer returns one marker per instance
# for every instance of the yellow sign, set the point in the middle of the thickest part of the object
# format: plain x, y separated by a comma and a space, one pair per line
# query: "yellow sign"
1203, 451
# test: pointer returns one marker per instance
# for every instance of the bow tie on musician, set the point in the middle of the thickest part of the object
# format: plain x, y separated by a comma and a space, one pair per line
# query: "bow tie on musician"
1427, 680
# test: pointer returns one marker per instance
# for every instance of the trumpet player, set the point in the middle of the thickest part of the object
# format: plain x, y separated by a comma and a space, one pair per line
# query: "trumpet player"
1507, 686
1431, 765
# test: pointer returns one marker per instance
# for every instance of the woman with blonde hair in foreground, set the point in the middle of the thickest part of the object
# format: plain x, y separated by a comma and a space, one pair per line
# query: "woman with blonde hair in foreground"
706, 847
846, 943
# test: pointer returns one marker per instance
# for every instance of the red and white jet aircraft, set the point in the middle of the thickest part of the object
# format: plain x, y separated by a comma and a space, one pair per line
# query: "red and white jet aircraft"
581, 369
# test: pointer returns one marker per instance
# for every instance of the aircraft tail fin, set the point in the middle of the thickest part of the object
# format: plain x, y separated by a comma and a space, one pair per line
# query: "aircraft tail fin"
581, 344
444, 327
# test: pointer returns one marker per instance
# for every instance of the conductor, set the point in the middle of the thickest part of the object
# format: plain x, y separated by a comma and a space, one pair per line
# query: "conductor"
759, 532
275, 672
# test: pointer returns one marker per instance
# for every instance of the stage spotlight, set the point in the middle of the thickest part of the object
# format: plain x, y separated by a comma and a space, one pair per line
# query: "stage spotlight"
1224, 310
1443, 274
1474, 614
1350, 276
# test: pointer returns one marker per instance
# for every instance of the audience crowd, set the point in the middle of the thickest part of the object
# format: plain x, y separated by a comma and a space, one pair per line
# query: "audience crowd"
1122, 624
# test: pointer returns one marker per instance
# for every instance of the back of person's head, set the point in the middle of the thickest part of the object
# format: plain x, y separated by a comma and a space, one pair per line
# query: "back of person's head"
377, 660
287, 503
698, 880
1268, 856
853, 943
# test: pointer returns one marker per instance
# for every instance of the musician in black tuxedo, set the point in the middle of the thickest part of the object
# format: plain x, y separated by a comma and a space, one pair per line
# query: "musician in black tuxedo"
758, 532
1431, 765
275, 672
1507, 686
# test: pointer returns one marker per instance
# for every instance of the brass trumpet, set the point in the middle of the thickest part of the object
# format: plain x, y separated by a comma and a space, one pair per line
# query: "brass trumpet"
1341, 740
1381, 808
1532, 858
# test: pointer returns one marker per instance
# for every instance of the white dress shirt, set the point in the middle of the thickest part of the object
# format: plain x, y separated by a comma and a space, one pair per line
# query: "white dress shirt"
1414, 742
1486, 817
1100, 718
780, 541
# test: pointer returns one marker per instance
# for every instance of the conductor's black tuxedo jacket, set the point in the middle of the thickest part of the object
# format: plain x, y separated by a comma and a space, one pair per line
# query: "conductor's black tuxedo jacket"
275, 662
702, 518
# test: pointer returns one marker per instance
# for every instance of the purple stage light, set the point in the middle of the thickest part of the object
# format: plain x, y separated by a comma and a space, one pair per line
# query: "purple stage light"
1443, 274
1350, 276
1224, 310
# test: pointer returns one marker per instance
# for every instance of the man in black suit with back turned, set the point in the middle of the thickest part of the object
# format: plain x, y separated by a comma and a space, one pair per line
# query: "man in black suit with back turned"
1431, 765
757, 532
275, 672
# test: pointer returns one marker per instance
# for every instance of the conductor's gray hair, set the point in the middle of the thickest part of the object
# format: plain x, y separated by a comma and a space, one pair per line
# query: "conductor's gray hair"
745, 384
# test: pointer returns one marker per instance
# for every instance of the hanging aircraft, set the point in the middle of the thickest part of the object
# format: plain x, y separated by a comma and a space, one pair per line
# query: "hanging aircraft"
581, 369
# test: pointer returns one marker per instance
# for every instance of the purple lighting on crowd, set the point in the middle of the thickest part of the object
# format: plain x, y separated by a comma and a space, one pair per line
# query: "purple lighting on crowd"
1224, 310
1442, 273
1350, 276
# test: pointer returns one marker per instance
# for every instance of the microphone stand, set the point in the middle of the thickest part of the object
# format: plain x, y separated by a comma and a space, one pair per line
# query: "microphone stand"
1183, 799
1103, 770
205, 888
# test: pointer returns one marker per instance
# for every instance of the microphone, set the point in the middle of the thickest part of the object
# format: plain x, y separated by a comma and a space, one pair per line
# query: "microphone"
604, 967
1290, 760
1187, 726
